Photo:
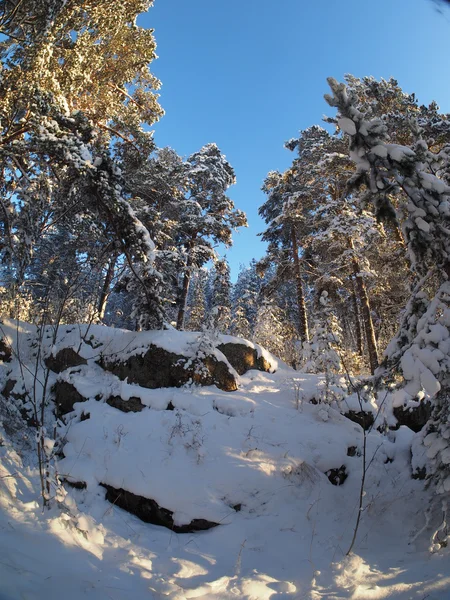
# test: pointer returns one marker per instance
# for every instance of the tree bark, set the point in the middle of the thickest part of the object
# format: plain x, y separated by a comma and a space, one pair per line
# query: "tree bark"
185, 290
302, 314
357, 321
366, 314
105, 289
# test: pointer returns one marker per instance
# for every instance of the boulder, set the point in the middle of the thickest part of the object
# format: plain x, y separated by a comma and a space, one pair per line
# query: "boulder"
5, 351
132, 405
77, 485
8, 388
149, 511
66, 395
243, 358
158, 368
64, 359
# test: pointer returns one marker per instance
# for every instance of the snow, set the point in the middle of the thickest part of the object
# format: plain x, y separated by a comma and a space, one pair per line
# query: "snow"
257, 448
380, 151
431, 182
347, 125
423, 225
399, 153
429, 382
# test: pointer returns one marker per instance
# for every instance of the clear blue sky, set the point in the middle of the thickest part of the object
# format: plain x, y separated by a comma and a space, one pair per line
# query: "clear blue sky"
249, 74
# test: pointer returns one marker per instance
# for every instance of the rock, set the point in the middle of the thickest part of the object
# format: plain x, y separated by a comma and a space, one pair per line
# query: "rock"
352, 450
26, 411
5, 351
132, 405
14, 422
66, 395
77, 485
8, 388
363, 418
64, 359
149, 511
337, 476
243, 358
419, 473
414, 417
159, 368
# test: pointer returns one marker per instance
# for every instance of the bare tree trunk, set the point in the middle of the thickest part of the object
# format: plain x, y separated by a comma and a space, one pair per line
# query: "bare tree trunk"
357, 320
366, 315
104, 295
302, 314
184, 291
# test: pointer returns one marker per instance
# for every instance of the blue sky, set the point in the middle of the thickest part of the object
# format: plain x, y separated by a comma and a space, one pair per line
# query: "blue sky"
249, 74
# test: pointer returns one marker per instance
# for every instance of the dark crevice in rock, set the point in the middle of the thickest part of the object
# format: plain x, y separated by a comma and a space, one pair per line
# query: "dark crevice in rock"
149, 511
337, 476
363, 418
420, 473
66, 395
8, 388
414, 417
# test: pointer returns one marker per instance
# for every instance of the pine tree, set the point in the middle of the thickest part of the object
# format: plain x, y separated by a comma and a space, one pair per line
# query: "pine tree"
221, 295
240, 325
244, 299
64, 109
322, 353
418, 179
209, 216
281, 214
197, 313
273, 331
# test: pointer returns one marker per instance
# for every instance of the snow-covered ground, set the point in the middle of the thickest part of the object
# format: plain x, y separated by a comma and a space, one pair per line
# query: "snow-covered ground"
253, 461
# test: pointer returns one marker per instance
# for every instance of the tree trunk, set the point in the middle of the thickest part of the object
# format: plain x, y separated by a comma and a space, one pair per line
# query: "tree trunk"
105, 289
357, 320
302, 315
184, 291
366, 315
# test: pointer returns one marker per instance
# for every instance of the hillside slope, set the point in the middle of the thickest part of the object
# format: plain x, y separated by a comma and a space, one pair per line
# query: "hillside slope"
254, 464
